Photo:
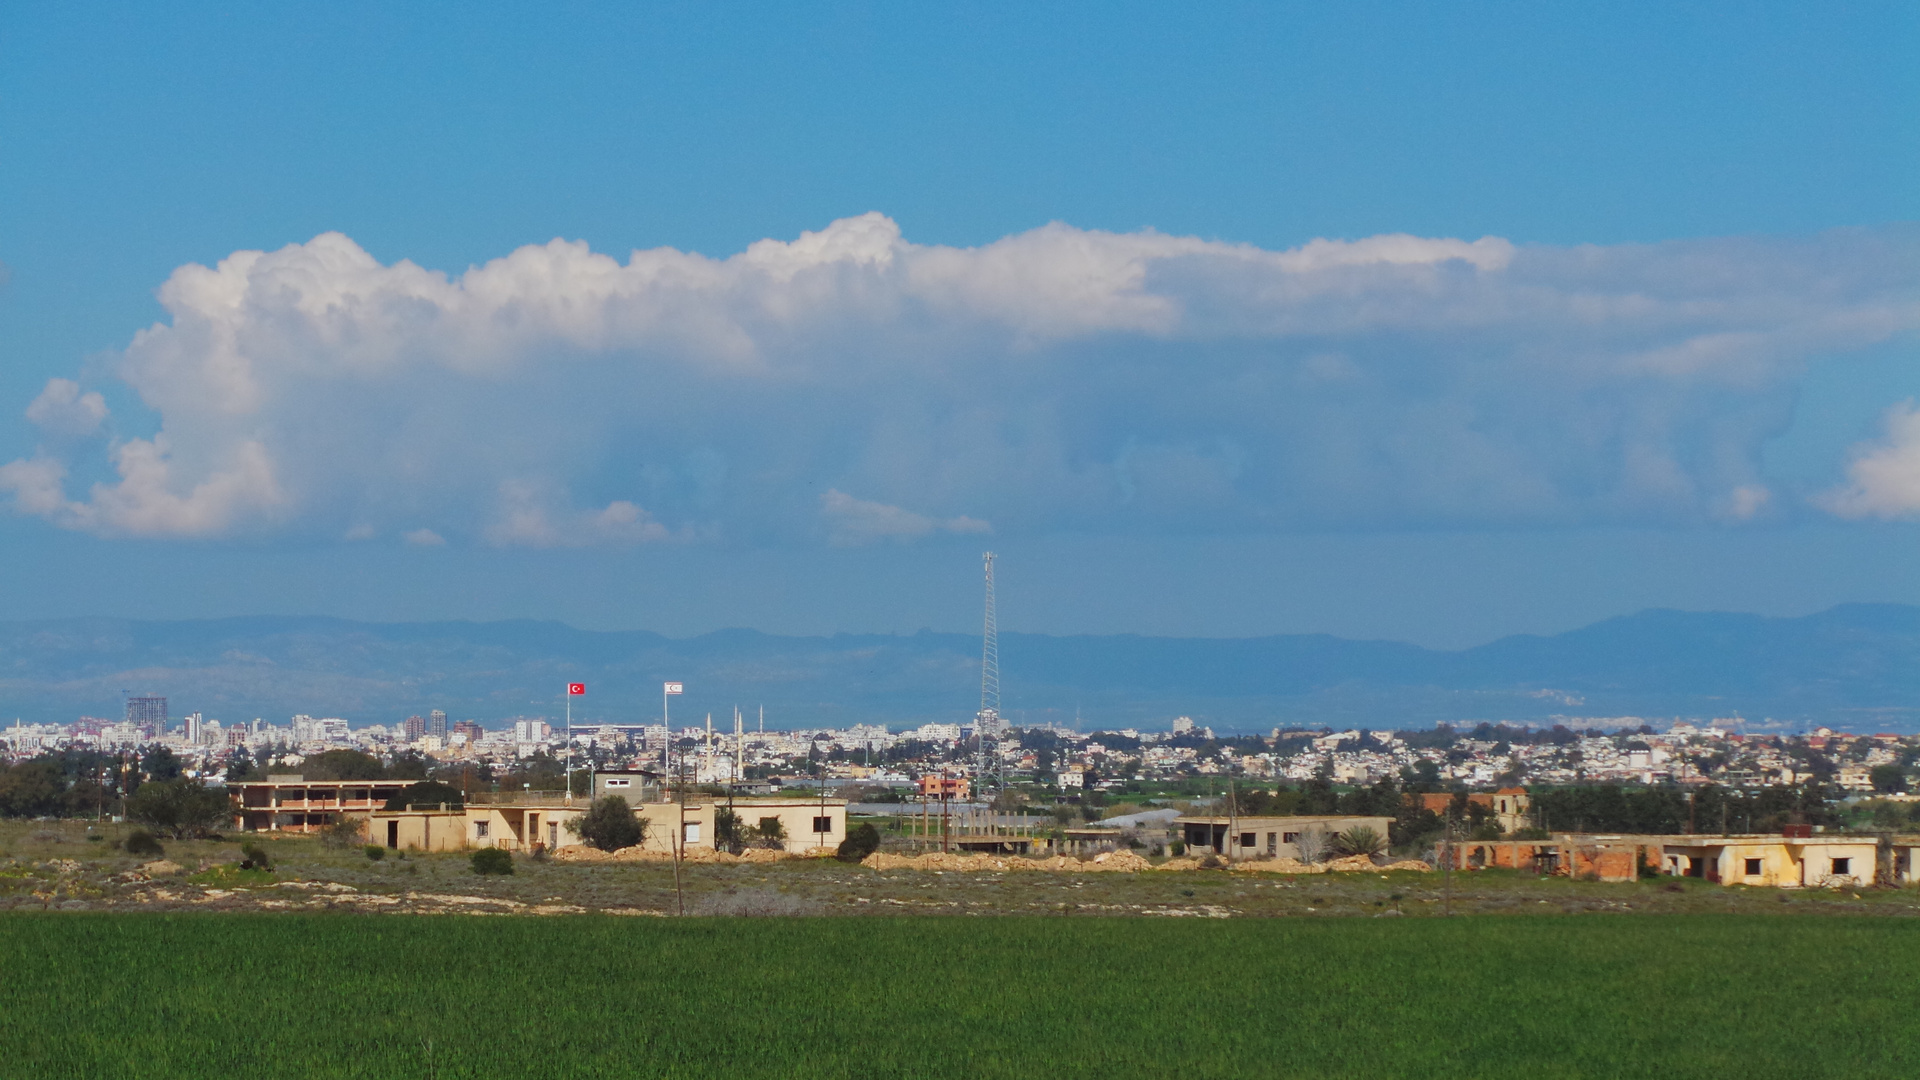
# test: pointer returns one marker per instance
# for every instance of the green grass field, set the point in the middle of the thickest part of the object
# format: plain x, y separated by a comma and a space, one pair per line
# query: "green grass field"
304, 996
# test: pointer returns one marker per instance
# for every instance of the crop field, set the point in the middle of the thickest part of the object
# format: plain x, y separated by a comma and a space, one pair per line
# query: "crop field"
337, 995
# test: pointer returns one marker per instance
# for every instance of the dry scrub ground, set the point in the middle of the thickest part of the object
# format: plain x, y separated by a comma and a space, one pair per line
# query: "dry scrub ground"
55, 866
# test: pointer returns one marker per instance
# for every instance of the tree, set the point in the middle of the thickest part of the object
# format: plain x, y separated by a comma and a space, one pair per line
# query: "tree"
428, 793
241, 767
343, 765
407, 765
180, 808
32, 789
861, 841
770, 833
160, 764
610, 824
1888, 779
492, 860
729, 834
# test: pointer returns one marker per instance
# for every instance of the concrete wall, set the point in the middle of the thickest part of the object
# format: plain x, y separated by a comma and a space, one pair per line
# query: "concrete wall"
418, 830
1269, 835
522, 828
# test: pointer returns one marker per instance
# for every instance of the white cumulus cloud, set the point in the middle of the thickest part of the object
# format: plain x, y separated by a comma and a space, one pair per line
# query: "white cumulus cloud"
62, 409
1883, 480
1060, 378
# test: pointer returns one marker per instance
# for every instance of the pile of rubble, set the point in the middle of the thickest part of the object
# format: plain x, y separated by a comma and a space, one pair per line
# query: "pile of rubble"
583, 854
1125, 862
1350, 864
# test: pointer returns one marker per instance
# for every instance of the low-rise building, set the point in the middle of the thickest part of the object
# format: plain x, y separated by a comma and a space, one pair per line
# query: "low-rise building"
521, 821
291, 803
1801, 859
1276, 837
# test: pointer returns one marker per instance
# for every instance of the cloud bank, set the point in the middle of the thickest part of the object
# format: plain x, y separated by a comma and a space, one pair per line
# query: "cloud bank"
1055, 379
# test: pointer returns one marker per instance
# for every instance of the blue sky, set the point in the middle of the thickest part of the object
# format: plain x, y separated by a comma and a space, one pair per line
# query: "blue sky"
1395, 321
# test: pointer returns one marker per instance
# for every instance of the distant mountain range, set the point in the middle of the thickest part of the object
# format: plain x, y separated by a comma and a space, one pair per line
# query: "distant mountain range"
1856, 667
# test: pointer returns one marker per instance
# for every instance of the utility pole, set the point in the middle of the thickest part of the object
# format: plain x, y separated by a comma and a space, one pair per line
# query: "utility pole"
1446, 864
679, 840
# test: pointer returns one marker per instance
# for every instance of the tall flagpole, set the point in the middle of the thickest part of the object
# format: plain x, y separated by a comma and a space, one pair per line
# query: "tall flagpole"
569, 744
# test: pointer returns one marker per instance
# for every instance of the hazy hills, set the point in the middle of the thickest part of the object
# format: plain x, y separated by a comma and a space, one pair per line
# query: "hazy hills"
1855, 666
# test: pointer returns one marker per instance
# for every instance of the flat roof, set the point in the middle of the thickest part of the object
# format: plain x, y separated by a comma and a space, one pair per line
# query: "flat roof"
1252, 819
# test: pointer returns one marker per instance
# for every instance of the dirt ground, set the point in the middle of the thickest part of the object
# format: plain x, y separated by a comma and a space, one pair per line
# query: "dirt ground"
57, 866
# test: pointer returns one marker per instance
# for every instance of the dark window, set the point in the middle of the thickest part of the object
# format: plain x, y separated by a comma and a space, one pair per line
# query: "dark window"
1290, 838
823, 824
1753, 867
1246, 839
1272, 838
1843, 866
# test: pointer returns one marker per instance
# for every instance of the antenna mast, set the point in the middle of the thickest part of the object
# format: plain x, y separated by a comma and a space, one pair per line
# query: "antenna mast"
987, 725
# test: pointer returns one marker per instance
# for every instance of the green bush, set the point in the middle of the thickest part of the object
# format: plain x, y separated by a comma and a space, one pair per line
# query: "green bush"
375, 852
255, 857
179, 808
492, 860
610, 824
142, 842
1360, 840
861, 841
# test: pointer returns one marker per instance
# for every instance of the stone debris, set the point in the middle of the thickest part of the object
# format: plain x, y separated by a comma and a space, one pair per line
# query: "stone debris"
1415, 865
1125, 862
162, 868
1352, 862
1279, 866
584, 854
1122, 860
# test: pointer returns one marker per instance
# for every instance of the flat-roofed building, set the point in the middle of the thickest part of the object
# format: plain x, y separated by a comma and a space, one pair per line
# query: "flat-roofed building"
1271, 837
529, 821
637, 786
289, 802
1800, 859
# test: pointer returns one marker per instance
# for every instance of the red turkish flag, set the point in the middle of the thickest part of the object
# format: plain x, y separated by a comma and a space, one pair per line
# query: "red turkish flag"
576, 688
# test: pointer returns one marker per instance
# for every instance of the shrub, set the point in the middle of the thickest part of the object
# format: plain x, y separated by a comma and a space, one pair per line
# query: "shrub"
344, 833
142, 842
609, 824
492, 860
1177, 848
375, 852
1312, 845
861, 842
255, 857
1360, 840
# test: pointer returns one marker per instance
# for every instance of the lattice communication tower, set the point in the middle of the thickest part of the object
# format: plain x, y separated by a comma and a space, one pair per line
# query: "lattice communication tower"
988, 728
